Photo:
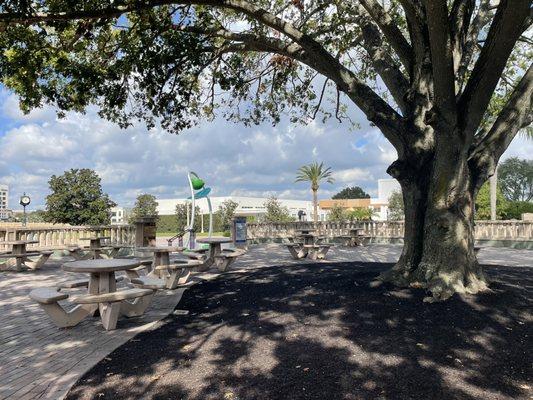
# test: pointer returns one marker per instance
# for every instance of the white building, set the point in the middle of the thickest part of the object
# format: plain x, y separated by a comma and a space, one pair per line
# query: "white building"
381, 204
248, 206
4, 202
118, 215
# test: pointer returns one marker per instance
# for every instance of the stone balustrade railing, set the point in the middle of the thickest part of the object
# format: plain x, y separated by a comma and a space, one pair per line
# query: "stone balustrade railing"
485, 230
64, 235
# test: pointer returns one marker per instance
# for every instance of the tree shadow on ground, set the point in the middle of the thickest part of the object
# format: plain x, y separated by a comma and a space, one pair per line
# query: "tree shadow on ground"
320, 332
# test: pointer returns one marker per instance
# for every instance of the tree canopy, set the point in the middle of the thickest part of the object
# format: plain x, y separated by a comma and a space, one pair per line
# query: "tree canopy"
145, 206
353, 192
396, 208
77, 198
225, 214
275, 212
515, 177
177, 62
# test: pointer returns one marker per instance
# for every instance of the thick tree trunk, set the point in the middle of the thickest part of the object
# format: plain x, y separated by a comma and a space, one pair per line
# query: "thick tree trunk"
438, 253
414, 191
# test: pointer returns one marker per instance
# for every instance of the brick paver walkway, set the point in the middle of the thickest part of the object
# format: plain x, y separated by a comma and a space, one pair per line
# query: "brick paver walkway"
40, 361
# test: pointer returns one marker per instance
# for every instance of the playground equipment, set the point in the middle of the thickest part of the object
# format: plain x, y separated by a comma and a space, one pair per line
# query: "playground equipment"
187, 238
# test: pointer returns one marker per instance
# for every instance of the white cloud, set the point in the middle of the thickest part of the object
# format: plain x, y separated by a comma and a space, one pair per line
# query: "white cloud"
233, 159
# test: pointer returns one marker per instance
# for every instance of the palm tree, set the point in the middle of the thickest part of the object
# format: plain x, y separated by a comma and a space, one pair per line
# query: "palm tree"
314, 173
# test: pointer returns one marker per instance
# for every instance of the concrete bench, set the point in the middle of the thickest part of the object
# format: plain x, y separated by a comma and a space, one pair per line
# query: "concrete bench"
48, 299
23, 260
145, 266
353, 241
227, 257
178, 272
297, 250
149, 282
81, 283
112, 250
112, 304
317, 251
197, 254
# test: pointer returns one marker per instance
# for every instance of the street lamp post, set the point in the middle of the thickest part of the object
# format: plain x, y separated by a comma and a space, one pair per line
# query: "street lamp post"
24, 202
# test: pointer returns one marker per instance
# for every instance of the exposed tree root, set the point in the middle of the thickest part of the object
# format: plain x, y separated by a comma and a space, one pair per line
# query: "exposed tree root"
441, 285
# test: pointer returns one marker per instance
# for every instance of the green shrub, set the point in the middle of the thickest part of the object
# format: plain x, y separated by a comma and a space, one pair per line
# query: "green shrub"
515, 209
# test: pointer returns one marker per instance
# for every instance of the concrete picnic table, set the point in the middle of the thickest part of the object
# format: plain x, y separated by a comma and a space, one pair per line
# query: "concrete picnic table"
102, 272
305, 231
215, 248
352, 239
308, 238
102, 289
20, 254
161, 253
95, 246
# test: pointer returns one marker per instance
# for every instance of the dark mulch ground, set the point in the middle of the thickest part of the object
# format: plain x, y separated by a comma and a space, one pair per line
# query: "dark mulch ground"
320, 332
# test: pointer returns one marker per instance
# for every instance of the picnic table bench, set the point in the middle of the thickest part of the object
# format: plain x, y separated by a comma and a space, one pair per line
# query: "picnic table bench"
101, 294
19, 256
315, 251
355, 237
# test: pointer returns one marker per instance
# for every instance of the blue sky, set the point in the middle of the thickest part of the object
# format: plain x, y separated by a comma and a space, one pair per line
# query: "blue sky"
233, 159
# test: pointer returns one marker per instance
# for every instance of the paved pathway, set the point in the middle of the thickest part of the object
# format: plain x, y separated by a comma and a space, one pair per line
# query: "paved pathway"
40, 361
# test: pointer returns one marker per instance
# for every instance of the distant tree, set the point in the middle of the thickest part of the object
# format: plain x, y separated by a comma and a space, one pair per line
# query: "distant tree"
354, 192
515, 177
337, 214
145, 206
275, 212
361, 214
36, 216
515, 209
483, 203
225, 214
314, 173
181, 217
396, 209
77, 199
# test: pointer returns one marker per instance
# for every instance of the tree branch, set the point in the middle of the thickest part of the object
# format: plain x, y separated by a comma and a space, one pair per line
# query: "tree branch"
384, 64
516, 115
481, 19
442, 60
391, 31
505, 30
305, 50
460, 16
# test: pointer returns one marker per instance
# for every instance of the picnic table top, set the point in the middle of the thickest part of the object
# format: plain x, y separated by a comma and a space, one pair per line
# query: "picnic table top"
111, 265
20, 242
96, 238
160, 249
214, 240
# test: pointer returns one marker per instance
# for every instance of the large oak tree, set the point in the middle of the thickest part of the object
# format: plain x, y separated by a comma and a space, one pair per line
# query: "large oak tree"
449, 84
